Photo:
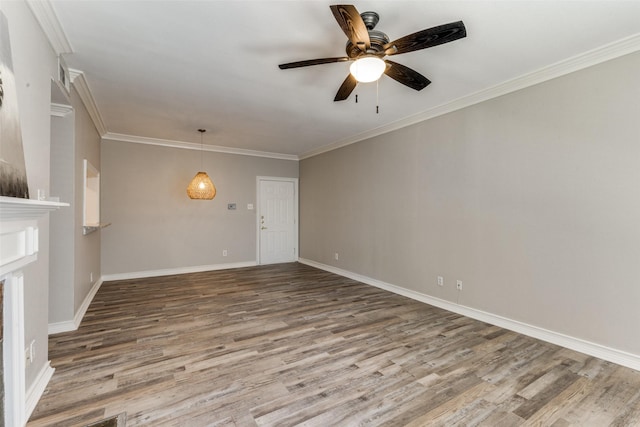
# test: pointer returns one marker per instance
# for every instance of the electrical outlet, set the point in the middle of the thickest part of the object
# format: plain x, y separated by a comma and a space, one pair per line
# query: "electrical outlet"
30, 352
224, 252
459, 284
336, 256
440, 281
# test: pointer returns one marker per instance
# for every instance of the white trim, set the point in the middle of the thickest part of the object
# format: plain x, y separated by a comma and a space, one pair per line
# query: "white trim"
19, 241
172, 271
60, 110
48, 20
593, 57
72, 325
77, 319
13, 350
593, 349
82, 87
36, 390
296, 213
59, 327
110, 136
50, 24
17, 209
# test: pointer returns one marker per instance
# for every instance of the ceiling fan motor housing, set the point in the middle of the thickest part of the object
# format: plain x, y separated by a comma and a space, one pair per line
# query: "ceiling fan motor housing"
377, 38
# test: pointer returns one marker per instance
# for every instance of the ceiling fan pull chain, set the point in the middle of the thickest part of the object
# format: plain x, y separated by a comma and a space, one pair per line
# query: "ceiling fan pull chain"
377, 96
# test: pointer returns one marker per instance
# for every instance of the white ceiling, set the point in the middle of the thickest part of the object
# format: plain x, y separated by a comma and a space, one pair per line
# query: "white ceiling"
162, 69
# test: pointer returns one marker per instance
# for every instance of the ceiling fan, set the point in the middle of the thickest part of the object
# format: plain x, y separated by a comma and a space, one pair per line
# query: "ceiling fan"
367, 48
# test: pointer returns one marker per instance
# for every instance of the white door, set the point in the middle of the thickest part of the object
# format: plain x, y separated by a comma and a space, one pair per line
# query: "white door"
277, 220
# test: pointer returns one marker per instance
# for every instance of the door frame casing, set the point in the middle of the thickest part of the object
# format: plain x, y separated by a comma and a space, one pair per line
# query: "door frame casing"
295, 213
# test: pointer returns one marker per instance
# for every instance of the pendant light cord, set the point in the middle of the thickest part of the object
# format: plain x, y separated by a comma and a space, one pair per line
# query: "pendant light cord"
202, 131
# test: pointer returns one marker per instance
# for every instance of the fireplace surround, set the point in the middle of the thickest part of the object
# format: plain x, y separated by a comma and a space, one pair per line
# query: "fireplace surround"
18, 248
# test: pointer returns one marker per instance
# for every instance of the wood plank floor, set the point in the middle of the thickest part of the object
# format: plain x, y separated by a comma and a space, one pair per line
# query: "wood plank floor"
288, 344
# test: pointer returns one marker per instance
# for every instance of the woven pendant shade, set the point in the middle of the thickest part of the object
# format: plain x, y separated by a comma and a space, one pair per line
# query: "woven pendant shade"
201, 187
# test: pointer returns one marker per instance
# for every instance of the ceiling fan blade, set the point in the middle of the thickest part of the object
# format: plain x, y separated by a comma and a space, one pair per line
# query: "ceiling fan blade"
308, 62
348, 85
406, 76
427, 38
352, 24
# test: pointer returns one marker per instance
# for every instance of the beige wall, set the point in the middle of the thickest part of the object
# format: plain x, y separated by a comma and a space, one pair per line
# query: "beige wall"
86, 248
75, 256
155, 226
61, 261
34, 63
532, 199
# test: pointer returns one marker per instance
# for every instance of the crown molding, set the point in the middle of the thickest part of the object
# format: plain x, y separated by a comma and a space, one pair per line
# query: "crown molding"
593, 57
82, 87
48, 20
111, 136
60, 110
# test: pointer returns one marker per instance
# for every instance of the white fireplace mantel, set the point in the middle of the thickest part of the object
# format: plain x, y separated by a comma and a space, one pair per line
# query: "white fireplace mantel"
15, 209
19, 230
18, 248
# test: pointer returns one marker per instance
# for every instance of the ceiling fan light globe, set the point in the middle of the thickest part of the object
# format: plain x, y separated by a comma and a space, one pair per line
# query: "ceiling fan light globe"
367, 69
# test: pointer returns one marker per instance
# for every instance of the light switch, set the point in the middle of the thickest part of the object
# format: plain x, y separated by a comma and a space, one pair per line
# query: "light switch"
250, 206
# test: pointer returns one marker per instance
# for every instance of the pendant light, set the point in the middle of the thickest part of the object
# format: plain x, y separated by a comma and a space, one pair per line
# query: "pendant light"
201, 186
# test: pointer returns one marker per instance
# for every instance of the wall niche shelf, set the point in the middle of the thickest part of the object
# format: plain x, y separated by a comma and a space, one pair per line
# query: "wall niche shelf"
88, 229
91, 196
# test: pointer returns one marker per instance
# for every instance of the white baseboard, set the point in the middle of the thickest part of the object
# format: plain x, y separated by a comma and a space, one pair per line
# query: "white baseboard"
77, 319
59, 327
72, 325
172, 271
34, 393
593, 349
